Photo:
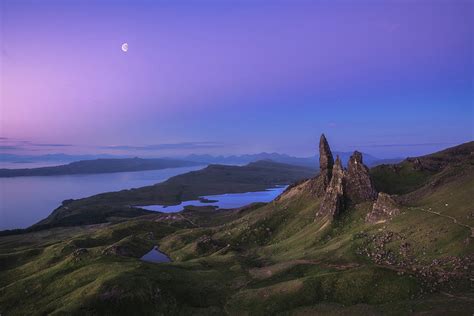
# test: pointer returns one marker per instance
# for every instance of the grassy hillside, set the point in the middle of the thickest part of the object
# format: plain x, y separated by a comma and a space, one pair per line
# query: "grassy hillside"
274, 258
412, 173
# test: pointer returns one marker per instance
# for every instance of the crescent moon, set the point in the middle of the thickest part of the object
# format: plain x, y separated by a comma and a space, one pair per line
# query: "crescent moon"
125, 47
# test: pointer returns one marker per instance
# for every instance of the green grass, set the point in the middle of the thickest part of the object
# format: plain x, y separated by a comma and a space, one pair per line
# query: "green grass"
399, 180
273, 258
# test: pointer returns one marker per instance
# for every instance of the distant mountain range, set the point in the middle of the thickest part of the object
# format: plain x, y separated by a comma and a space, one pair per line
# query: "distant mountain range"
124, 162
312, 162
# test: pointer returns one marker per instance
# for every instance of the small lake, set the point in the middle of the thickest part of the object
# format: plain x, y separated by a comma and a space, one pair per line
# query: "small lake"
26, 200
222, 201
155, 256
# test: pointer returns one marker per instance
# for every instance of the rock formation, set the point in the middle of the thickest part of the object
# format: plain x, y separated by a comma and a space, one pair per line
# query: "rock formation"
383, 209
333, 201
339, 187
358, 186
326, 163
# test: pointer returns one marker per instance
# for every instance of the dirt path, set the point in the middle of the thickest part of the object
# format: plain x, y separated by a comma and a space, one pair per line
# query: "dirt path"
455, 221
188, 220
465, 298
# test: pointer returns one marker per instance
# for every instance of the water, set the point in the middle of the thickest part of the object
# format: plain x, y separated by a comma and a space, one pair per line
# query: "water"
155, 256
26, 200
224, 201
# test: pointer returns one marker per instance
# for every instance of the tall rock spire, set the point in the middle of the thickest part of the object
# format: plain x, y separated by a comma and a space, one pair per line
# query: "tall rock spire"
358, 185
333, 201
326, 163
326, 160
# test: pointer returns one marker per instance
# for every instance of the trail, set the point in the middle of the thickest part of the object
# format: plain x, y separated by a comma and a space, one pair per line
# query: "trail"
188, 220
455, 221
469, 299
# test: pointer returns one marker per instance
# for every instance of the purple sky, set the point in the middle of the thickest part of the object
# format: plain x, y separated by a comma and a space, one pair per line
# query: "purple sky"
390, 78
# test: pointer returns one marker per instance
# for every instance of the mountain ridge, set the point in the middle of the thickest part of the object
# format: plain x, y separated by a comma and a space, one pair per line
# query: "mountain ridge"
311, 162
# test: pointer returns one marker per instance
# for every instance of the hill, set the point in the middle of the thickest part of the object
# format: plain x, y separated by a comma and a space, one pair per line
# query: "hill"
214, 179
98, 166
412, 173
330, 245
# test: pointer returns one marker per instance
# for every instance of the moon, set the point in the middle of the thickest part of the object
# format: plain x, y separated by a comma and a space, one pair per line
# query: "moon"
125, 47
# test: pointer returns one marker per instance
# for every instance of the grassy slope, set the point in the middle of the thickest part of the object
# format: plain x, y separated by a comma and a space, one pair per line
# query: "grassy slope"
413, 173
261, 260
245, 268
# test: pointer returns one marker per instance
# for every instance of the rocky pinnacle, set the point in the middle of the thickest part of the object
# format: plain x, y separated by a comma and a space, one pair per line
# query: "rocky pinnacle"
358, 186
326, 160
342, 187
333, 201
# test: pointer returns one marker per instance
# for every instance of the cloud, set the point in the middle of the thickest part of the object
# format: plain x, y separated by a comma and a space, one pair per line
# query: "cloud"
175, 146
19, 144
50, 145
9, 147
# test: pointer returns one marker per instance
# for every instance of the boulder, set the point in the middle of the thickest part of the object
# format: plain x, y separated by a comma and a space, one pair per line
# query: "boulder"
383, 209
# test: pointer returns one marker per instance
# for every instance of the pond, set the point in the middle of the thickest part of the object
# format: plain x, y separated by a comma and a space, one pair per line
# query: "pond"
155, 256
222, 201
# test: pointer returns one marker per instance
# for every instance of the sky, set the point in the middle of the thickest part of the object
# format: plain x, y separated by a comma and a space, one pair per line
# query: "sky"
390, 78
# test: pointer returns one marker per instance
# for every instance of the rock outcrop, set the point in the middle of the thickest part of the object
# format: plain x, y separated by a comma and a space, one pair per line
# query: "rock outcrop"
383, 209
357, 182
333, 201
338, 187
326, 163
